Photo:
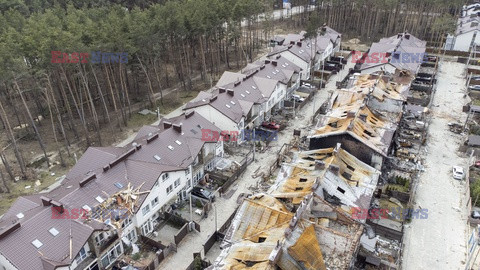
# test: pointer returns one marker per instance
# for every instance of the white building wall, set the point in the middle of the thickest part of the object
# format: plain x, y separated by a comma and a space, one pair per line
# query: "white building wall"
5, 264
463, 41
160, 191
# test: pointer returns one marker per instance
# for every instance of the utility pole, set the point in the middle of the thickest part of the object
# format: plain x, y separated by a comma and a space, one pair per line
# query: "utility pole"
216, 228
253, 144
191, 184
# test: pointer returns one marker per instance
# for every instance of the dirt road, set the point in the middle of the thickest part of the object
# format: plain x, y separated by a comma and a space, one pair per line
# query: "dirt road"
439, 242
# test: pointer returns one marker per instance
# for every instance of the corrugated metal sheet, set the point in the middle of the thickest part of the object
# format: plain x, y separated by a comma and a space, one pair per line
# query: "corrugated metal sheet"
307, 250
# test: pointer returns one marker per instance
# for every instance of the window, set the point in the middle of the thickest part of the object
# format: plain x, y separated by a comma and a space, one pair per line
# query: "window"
147, 227
81, 255
177, 182
155, 202
146, 209
132, 236
126, 222
99, 239
156, 184
112, 255
164, 176
187, 171
37, 243
169, 189
53, 231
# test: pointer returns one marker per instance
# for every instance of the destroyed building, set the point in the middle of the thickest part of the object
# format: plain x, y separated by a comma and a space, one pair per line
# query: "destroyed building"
112, 195
332, 174
265, 235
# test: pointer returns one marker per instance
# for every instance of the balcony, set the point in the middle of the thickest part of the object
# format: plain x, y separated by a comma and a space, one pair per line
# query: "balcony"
86, 262
106, 243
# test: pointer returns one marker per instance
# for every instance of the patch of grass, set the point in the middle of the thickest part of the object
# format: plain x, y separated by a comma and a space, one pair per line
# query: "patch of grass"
17, 189
476, 102
400, 188
174, 100
138, 120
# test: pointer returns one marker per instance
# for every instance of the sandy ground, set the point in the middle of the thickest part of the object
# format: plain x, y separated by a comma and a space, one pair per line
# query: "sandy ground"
225, 207
439, 242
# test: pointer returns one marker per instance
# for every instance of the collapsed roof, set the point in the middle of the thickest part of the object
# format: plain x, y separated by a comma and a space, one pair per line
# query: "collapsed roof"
331, 170
349, 115
395, 46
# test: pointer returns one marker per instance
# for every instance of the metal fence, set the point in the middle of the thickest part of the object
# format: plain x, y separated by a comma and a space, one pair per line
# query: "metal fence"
181, 234
244, 164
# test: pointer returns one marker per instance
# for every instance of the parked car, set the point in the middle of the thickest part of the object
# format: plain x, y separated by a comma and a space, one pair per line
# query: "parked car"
307, 85
331, 67
203, 193
458, 172
271, 125
474, 87
297, 98
475, 214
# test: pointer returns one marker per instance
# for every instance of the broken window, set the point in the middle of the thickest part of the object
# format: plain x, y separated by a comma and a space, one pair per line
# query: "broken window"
347, 175
341, 190
368, 133
298, 188
333, 124
261, 239
350, 167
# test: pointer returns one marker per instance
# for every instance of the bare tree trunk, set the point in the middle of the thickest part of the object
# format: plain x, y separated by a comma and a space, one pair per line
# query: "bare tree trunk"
80, 115
151, 97
91, 105
39, 138
102, 98
11, 136
47, 95
7, 166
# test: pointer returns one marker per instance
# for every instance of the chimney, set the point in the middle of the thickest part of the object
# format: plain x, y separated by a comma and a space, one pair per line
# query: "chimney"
334, 169
45, 201
324, 29
212, 99
230, 92
10, 228
262, 66
87, 179
407, 36
151, 138
167, 125
57, 206
236, 83
177, 128
350, 114
274, 63
319, 165
292, 42
299, 44
267, 61
189, 114
278, 56
399, 36
221, 90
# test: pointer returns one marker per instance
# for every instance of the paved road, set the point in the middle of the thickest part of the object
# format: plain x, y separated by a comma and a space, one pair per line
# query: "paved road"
439, 242
225, 207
